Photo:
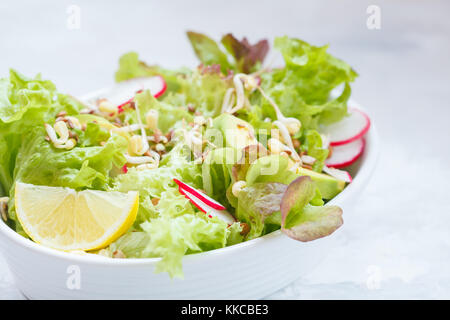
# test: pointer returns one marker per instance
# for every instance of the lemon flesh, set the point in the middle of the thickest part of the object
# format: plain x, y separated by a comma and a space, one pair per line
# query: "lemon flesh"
64, 219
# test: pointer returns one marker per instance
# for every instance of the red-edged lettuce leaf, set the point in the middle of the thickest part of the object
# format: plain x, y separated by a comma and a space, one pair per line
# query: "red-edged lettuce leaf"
246, 55
258, 202
302, 221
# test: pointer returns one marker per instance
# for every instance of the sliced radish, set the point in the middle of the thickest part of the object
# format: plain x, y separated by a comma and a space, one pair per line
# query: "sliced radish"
200, 195
221, 214
338, 174
123, 92
346, 154
349, 129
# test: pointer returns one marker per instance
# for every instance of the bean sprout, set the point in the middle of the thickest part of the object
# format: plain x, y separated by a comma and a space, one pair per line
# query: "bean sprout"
139, 160
287, 139
239, 96
145, 145
63, 142
130, 128
292, 124
336, 173
237, 187
308, 159
228, 100
240, 93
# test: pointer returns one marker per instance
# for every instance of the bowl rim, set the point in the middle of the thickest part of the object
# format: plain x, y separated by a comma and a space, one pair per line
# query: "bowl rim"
368, 163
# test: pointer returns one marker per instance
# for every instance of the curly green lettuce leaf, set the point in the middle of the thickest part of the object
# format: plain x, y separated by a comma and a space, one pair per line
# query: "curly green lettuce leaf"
19, 95
172, 238
318, 72
169, 114
202, 91
158, 184
94, 135
302, 88
38, 162
131, 67
131, 244
173, 225
312, 144
217, 173
25, 103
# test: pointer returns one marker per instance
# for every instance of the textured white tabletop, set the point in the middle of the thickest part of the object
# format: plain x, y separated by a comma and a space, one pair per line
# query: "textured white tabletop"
397, 244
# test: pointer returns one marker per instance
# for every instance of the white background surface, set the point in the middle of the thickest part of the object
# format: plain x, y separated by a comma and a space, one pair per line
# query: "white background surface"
397, 243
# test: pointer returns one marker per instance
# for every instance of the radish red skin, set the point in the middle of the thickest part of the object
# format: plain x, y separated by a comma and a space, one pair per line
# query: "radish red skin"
221, 214
164, 88
214, 205
350, 161
192, 201
359, 135
350, 177
158, 94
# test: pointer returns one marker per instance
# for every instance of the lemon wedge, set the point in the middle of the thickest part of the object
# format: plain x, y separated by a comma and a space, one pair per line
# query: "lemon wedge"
64, 219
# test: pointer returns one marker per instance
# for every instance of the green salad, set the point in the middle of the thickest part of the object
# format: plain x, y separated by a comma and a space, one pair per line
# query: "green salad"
220, 154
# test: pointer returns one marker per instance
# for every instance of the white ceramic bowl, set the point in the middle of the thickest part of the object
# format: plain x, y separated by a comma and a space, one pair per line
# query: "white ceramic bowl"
248, 270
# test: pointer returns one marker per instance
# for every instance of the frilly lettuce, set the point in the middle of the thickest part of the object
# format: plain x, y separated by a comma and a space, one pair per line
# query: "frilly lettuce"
202, 88
168, 226
318, 71
240, 56
302, 88
172, 238
169, 114
132, 244
38, 162
217, 172
24, 104
172, 227
131, 67
158, 183
26, 156
312, 143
